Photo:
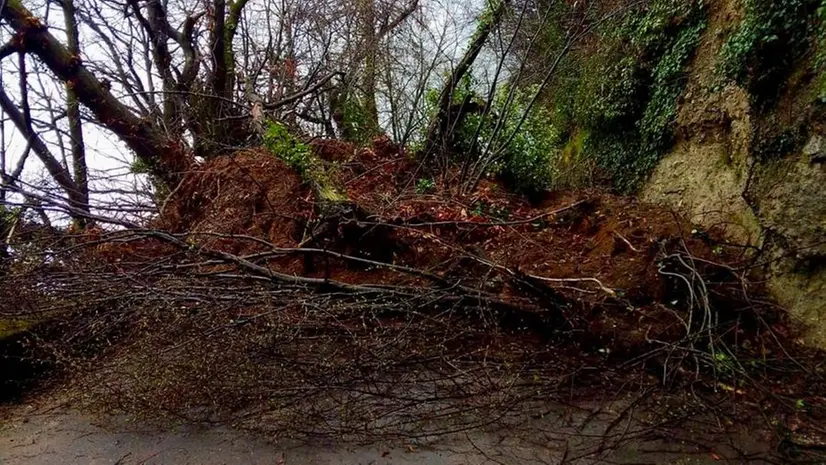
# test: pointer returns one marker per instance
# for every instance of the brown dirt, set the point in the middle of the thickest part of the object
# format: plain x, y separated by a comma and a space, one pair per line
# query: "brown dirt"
254, 194
596, 240
251, 193
605, 321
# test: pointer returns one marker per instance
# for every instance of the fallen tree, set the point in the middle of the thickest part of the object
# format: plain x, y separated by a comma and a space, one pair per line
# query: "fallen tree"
422, 318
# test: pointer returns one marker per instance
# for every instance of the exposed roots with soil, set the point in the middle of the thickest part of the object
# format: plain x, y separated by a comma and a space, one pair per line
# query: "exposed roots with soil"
407, 315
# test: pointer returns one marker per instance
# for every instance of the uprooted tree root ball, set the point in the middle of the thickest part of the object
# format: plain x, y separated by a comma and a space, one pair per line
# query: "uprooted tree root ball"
399, 313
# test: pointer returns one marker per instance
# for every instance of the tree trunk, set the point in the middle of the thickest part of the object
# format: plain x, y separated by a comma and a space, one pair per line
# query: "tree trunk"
219, 50
218, 128
230, 28
369, 76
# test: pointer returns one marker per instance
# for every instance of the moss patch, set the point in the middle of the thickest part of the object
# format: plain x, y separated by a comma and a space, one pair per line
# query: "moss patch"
12, 326
299, 157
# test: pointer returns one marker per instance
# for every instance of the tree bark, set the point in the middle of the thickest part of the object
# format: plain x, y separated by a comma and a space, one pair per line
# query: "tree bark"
167, 159
369, 76
218, 45
231, 27
78, 148
216, 126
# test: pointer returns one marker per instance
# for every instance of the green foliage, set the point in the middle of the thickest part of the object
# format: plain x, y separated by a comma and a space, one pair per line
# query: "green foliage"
464, 89
610, 111
482, 208
573, 166
524, 154
160, 189
527, 162
425, 185
359, 127
8, 215
820, 57
486, 18
431, 95
668, 82
286, 147
624, 95
771, 37
298, 156
613, 85
624, 158
139, 166
478, 209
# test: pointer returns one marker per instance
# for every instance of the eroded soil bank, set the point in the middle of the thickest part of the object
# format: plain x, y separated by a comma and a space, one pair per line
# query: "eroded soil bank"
576, 327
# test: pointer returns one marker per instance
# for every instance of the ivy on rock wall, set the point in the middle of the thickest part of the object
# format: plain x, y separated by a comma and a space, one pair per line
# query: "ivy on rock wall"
764, 47
609, 114
618, 101
777, 53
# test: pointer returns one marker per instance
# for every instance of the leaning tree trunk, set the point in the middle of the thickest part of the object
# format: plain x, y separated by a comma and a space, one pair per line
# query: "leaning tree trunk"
440, 126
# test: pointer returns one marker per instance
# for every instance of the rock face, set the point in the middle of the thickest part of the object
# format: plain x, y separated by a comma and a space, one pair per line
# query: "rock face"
721, 173
790, 197
700, 180
785, 216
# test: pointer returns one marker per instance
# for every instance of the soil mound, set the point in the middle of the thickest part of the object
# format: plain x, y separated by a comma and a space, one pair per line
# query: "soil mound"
251, 193
269, 308
609, 266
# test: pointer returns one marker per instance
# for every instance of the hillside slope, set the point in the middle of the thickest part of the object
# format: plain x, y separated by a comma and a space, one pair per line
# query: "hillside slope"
754, 165
715, 108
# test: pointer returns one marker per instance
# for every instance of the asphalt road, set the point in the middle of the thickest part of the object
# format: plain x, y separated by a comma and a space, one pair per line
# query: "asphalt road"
58, 436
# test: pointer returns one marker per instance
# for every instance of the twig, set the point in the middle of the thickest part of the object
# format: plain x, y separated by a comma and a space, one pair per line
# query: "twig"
620, 236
